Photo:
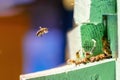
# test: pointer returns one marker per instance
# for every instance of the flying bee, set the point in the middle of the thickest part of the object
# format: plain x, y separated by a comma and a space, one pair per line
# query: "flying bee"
42, 31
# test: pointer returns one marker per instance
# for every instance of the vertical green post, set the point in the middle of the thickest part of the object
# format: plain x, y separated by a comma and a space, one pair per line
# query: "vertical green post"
112, 33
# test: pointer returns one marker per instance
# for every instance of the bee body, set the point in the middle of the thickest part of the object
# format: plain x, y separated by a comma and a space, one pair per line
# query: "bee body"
77, 55
42, 31
92, 59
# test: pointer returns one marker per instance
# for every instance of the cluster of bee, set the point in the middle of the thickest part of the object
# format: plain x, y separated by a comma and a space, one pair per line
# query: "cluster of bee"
88, 59
89, 56
106, 47
77, 61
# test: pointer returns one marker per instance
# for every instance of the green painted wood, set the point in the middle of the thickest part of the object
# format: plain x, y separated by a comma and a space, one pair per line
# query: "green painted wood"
112, 33
101, 7
91, 31
104, 71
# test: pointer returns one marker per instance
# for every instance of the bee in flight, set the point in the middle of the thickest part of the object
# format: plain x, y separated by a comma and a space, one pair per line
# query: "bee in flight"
42, 31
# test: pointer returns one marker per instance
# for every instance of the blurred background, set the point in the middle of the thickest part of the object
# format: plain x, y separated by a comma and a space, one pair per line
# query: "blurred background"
21, 51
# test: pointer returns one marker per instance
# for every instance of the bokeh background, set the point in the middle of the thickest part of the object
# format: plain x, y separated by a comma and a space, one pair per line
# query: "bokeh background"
21, 51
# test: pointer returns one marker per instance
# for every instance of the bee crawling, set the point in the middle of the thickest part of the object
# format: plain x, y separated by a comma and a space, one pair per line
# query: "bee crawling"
76, 61
42, 31
72, 61
78, 55
106, 48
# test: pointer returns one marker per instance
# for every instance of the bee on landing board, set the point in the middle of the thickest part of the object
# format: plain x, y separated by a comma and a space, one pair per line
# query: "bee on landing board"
75, 61
42, 31
77, 55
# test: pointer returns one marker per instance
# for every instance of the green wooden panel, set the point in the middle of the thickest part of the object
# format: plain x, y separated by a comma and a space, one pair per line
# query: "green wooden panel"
91, 31
100, 7
104, 71
112, 33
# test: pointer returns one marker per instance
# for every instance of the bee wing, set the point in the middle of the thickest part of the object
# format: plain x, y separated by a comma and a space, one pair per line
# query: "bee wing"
46, 31
40, 27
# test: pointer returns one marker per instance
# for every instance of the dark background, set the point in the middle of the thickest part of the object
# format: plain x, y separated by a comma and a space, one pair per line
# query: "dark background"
21, 51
